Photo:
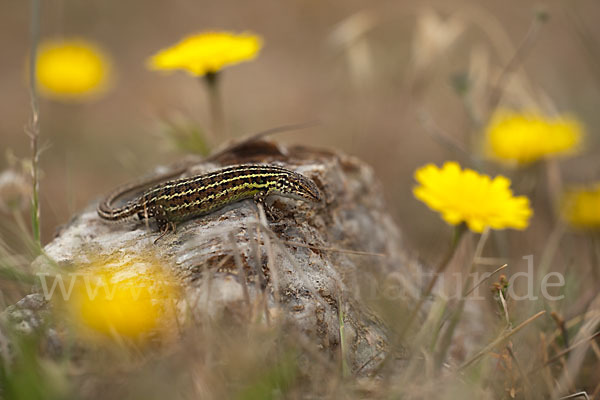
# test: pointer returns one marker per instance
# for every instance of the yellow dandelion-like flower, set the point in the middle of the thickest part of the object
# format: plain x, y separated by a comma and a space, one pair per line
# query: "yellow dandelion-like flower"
581, 207
207, 52
523, 138
469, 197
127, 299
73, 69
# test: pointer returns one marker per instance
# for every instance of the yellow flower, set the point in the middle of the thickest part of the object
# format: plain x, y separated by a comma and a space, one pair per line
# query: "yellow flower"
467, 196
527, 137
581, 207
127, 299
72, 69
207, 52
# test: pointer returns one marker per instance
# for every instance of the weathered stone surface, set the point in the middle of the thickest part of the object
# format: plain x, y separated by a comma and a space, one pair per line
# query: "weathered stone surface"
231, 260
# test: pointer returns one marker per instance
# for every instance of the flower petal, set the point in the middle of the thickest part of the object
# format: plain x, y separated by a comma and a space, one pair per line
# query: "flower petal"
467, 196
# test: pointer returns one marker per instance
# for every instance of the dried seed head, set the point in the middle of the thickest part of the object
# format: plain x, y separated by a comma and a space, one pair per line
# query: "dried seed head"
434, 35
15, 191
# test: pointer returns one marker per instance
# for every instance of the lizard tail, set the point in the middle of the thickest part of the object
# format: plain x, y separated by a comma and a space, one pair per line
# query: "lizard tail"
108, 212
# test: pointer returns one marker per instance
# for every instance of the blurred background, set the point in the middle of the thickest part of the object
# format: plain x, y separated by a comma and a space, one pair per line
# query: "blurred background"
392, 83
397, 84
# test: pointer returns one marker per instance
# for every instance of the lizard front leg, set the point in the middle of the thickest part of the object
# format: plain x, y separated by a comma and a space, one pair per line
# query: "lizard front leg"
261, 198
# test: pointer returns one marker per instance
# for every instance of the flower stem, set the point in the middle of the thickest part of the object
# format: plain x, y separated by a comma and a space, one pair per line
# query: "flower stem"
33, 130
455, 318
458, 233
343, 351
520, 54
459, 230
217, 114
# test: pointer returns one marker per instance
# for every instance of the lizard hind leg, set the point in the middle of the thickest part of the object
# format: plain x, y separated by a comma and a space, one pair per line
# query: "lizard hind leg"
165, 227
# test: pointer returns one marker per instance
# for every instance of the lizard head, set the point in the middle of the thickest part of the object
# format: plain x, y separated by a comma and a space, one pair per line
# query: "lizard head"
298, 186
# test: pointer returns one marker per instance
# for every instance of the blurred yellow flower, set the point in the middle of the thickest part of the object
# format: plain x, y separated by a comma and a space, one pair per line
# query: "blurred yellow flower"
73, 69
469, 197
527, 137
127, 299
207, 52
581, 207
